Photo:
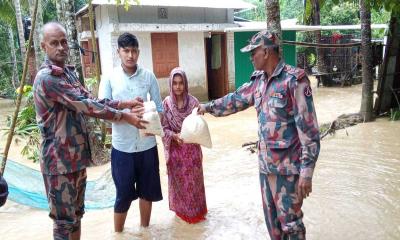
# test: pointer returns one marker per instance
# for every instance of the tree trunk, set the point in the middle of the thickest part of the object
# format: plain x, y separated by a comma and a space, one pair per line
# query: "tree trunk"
272, 13
60, 11
14, 79
66, 16
366, 51
94, 47
316, 20
20, 27
39, 56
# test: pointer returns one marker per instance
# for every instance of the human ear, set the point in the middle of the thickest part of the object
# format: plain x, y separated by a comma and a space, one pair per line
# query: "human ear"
266, 53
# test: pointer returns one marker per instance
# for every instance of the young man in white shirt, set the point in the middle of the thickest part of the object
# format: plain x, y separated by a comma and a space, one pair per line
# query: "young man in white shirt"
134, 160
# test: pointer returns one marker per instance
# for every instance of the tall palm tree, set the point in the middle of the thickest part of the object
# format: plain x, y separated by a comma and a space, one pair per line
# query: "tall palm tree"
20, 26
66, 16
272, 12
8, 18
10, 13
366, 50
14, 79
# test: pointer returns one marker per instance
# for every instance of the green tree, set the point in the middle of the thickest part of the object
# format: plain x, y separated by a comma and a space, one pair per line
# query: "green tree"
346, 13
291, 9
6, 62
8, 58
288, 9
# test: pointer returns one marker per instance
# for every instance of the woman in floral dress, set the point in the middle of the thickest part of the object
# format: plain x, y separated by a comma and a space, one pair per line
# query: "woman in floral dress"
184, 161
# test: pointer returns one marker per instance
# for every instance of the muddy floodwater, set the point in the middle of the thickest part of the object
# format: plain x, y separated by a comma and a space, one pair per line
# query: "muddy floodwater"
356, 185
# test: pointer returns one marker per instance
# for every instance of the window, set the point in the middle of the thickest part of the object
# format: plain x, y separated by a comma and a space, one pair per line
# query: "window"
165, 53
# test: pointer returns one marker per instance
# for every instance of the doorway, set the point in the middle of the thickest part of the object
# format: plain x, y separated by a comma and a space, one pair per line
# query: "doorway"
217, 71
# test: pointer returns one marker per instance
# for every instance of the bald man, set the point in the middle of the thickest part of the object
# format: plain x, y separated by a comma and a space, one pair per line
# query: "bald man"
62, 105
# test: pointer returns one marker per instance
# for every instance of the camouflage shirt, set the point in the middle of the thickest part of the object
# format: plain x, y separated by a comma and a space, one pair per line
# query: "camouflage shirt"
61, 105
289, 141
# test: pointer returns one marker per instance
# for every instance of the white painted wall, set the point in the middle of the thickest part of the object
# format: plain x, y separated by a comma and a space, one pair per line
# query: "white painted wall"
103, 32
148, 14
192, 59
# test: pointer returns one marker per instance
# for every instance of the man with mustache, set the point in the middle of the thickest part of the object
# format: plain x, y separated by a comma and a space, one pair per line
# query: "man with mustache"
289, 141
62, 105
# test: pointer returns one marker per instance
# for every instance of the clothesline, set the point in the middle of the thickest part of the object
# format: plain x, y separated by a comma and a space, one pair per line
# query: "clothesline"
324, 45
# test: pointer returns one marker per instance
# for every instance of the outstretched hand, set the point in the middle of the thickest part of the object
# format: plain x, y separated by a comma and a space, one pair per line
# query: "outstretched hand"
132, 103
134, 119
304, 187
138, 110
201, 109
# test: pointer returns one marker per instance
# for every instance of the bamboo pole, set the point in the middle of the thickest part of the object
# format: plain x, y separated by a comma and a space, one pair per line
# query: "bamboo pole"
97, 62
21, 88
94, 43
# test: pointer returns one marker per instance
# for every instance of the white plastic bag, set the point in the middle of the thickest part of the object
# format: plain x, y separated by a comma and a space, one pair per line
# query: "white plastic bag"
195, 130
151, 115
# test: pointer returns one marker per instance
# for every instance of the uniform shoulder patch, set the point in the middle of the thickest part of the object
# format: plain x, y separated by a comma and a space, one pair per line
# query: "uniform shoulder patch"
298, 73
308, 91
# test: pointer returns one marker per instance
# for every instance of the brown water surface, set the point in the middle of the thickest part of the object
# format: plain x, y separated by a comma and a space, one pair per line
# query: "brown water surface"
356, 191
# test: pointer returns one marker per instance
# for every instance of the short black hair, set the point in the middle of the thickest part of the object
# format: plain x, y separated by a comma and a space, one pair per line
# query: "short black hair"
127, 40
275, 49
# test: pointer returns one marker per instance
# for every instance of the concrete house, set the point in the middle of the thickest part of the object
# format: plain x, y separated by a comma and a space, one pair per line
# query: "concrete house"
190, 34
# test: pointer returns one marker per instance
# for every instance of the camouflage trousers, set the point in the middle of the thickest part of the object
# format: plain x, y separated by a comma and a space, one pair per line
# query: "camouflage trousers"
282, 207
65, 194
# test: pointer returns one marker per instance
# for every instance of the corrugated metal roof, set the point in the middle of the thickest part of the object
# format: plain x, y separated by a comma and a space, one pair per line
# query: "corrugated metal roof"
233, 4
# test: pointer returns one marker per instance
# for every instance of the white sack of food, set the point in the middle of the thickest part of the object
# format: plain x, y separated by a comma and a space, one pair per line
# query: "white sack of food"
151, 115
195, 130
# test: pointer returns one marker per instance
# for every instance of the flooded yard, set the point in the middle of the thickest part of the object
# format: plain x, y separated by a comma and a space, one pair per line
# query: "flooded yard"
356, 192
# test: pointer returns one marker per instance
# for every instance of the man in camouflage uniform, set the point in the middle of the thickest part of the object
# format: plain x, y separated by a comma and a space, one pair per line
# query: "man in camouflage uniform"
61, 105
289, 141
